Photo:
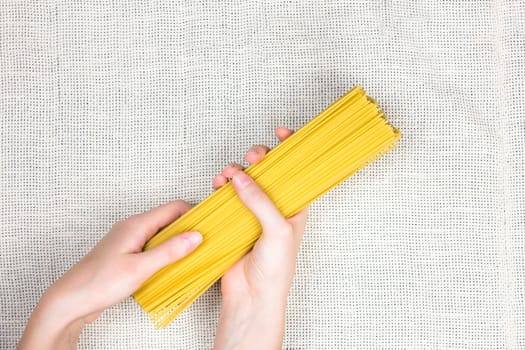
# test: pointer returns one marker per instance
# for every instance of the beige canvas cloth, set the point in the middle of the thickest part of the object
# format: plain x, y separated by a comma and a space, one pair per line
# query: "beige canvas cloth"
108, 108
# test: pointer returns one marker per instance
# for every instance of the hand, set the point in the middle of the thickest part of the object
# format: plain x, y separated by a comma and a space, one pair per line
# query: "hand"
255, 289
109, 273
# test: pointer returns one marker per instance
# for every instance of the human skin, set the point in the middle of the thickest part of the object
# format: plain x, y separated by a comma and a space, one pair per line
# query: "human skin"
254, 290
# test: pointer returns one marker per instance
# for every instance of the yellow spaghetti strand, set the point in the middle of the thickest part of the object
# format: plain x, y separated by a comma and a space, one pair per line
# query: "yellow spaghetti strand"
344, 138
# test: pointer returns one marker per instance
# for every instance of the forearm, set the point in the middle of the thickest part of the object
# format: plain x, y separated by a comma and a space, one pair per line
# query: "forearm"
250, 325
49, 328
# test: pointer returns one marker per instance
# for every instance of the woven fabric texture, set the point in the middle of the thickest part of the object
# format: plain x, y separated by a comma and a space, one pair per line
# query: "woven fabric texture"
109, 108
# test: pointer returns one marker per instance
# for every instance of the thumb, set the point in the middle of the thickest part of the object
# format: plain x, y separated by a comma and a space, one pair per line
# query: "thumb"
169, 251
257, 201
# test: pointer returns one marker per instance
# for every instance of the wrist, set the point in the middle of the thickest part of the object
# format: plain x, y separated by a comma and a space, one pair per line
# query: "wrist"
50, 326
251, 323
59, 307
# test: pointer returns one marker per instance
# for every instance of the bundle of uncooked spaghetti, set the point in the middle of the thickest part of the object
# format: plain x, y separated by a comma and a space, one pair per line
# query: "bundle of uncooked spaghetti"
340, 141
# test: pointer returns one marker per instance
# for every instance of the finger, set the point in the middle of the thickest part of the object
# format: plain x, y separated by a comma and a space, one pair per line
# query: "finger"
254, 198
256, 153
169, 251
149, 223
283, 133
219, 180
230, 169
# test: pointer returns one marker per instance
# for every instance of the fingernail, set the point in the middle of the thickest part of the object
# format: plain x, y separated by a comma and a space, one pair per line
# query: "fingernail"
193, 238
241, 179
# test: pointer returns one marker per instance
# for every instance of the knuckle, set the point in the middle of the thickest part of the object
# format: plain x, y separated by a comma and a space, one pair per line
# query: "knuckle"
176, 251
261, 149
287, 229
282, 230
181, 203
118, 224
132, 220
133, 217
130, 267
254, 194
181, 206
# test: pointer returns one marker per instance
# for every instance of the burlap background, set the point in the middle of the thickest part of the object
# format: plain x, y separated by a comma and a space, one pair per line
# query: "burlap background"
111, 107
